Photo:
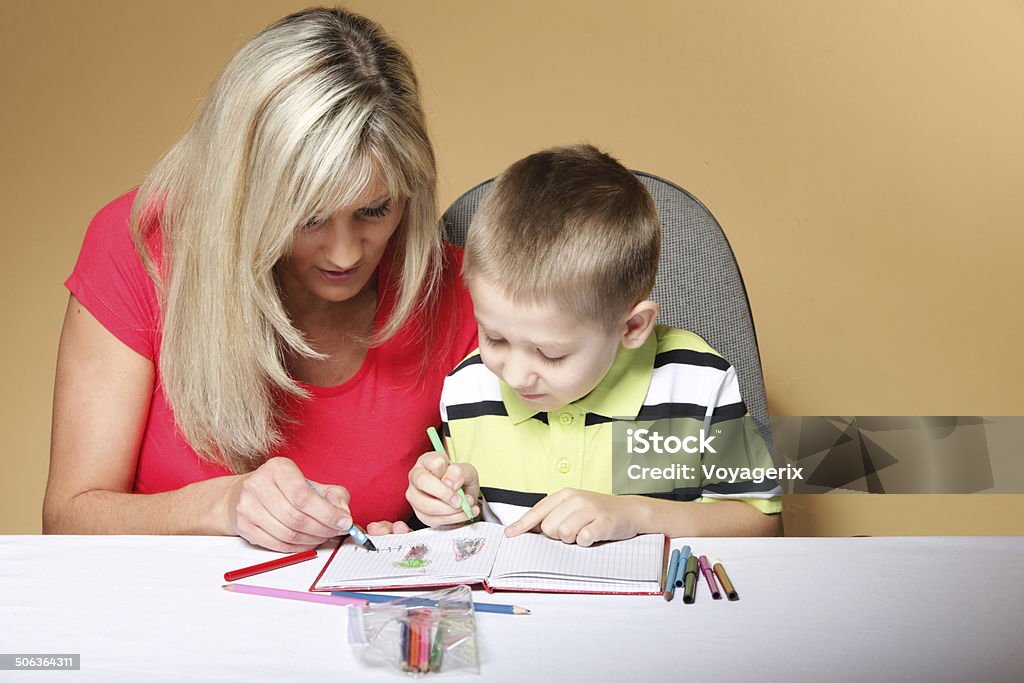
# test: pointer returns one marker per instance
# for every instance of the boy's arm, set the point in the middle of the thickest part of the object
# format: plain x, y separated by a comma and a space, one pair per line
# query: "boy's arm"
722, 518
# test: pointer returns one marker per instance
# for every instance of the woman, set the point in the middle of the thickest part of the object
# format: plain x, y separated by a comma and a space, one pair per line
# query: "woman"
261, 329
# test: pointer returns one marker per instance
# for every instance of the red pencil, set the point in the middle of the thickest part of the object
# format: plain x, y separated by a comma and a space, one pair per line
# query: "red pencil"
268, 566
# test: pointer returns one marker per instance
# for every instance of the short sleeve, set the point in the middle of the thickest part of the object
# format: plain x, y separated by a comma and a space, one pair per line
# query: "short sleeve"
110, 280
738, 460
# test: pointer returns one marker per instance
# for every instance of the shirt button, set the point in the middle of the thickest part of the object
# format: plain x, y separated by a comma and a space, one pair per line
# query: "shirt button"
564, 466
565, 418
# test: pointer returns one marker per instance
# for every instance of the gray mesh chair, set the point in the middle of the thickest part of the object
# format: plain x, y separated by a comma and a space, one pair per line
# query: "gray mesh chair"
699, 286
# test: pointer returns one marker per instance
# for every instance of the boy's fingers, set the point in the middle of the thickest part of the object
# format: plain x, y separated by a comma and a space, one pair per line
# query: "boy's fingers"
567, 527
535, 515
430, 486
454, 477
435, 463
384, 528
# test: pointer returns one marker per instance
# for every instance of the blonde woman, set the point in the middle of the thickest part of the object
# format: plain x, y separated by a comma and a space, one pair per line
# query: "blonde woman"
256, 337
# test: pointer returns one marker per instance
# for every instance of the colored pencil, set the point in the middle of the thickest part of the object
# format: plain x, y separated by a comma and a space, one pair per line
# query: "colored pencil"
405, 646
414, 646
489, 607
437, 651
237, 574
435, 440
425, 644
292, 595
670, 580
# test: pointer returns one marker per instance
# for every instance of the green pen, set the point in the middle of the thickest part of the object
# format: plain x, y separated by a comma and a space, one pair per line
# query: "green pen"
439, 447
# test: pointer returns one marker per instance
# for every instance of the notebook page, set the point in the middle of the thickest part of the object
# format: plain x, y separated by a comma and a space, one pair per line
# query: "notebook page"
536, 562
427, 556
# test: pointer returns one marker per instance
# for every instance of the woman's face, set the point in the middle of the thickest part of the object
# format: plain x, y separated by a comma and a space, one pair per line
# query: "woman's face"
335, 256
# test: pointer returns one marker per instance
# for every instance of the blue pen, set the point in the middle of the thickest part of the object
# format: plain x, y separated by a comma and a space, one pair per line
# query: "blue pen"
673, 569
684, 556
355, 532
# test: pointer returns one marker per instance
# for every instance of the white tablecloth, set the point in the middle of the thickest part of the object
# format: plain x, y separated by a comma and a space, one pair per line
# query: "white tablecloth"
857, 609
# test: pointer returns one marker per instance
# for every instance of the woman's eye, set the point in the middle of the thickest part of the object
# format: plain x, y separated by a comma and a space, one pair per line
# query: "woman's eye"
313, 222
376, 211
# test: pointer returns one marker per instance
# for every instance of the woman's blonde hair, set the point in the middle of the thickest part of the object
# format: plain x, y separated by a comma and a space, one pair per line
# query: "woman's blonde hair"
298, 124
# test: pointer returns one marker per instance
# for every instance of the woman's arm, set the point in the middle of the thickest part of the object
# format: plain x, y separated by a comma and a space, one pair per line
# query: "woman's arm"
101, 402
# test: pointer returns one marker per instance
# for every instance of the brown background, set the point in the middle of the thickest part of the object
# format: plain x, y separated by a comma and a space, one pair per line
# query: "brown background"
860, 156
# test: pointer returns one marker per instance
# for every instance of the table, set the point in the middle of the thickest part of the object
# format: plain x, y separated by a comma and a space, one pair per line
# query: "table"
147, 608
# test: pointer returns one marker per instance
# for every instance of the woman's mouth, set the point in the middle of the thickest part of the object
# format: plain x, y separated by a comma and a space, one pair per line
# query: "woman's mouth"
337, 276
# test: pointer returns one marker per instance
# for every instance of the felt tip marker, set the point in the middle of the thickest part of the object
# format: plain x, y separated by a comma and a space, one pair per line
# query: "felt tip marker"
723, 578
357, 534
684, 557
689, 592
709, 576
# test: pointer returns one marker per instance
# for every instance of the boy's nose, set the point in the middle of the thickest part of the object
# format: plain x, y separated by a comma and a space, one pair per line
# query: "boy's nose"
520, 377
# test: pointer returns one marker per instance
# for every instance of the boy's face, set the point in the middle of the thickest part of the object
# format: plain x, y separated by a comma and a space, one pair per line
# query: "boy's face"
549, 357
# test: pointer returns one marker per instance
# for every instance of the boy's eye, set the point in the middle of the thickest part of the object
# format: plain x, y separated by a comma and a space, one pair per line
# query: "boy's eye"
553, 360
377, 211
494, 341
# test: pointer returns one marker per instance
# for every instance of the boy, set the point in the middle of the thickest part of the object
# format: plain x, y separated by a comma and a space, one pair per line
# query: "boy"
560, 258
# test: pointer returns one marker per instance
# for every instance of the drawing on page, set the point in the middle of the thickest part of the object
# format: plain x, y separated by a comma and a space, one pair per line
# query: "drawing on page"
415, 558
467, 547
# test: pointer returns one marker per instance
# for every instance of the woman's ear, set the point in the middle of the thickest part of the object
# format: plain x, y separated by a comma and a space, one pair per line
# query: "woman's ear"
639, 324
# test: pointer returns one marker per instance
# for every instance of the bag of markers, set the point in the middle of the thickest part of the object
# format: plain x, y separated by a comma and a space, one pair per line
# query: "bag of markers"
428, 633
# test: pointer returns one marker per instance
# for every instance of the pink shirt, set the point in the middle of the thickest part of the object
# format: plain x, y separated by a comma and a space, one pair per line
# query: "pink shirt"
364, 434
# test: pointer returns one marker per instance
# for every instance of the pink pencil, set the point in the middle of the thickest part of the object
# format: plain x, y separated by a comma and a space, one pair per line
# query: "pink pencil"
292, 595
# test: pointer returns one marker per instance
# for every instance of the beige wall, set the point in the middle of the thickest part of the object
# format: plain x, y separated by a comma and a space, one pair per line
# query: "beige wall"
860, 156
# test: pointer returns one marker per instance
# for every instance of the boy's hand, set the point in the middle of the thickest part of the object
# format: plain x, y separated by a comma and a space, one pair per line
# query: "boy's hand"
582, 517
384, 528
433, 482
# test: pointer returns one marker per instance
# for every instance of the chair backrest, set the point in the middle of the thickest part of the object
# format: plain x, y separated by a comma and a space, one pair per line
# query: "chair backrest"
699, 286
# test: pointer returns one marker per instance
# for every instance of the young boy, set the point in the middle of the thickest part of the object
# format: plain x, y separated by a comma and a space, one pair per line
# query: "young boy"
560, 258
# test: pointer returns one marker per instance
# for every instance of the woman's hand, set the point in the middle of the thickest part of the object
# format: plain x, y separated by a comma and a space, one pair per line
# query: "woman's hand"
433, 483
583, 517
277, 508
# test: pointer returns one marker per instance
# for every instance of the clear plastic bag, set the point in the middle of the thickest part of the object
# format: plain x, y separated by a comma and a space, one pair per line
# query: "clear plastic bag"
427, 633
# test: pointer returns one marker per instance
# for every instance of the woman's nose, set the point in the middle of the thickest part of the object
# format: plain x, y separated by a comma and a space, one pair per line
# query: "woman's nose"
343, 247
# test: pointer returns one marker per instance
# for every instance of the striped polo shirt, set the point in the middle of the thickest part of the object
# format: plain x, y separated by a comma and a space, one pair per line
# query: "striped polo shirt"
675, 378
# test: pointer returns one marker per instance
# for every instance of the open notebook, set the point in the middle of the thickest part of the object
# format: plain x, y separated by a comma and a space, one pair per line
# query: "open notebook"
480, 553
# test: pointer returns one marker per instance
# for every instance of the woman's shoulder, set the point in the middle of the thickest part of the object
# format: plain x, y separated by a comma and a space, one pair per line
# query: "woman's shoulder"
110, 280
114, 219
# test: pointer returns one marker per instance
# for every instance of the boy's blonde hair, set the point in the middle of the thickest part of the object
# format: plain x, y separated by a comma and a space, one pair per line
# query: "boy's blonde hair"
570, 225
298, 124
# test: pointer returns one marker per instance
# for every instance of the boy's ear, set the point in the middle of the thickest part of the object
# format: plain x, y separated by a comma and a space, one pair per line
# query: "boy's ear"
639, 324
